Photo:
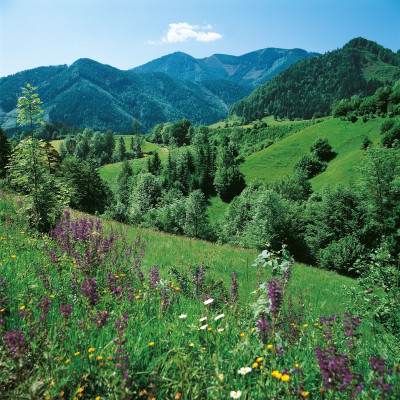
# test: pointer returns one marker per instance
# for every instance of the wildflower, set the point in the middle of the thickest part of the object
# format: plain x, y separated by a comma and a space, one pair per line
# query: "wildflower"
305, 325
255, 365
97, 398
242, 334
203, 327
52, 384
235, 395
91, 355
77, 353
91, 350
219, 317
269, 346
220, 329
13, 256
203, 348
209, 301
304, 393
183, 316
202, 319
259, 359
151, 344
285, 378
80, 390
191, 345
244, 370
99, 358
61, 394
234, 287
261, 366
22, 307
276, 374
52, 296
67, 361
209, 329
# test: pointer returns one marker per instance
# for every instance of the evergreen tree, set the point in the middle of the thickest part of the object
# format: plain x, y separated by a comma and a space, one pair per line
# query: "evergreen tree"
5, 153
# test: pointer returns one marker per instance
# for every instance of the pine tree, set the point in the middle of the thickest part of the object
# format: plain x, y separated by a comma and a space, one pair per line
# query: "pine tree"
5, 152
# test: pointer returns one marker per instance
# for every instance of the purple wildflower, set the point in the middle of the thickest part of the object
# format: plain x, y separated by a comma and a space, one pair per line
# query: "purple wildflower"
89, 289
17, 344
154, 278
44, 306
65, 311
101, 318
351, 324
234, 287
275, 295
378, 366
264, 327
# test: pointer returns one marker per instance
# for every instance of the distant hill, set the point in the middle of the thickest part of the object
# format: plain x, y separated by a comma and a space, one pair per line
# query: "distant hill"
248, 70
312, 85
91, 94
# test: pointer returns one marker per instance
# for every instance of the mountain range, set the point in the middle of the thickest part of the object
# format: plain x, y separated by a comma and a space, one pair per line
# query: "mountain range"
91, 94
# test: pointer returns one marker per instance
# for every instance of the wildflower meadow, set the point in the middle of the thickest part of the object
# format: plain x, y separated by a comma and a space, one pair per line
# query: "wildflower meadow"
83, 317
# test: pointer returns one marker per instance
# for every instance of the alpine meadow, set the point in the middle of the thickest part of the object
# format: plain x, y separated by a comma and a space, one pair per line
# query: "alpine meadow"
191, 226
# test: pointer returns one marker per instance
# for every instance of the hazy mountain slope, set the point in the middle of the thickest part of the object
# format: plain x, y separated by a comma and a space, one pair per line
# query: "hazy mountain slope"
309, 86
88, 93
251, 69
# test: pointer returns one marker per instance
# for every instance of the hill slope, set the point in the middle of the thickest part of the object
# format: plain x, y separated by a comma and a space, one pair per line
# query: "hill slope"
250, 70
91, 94
312, 85
345, 138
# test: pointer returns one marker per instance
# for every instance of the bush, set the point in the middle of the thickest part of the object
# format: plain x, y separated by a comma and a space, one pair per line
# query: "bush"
341, 255
310, 166
322, 149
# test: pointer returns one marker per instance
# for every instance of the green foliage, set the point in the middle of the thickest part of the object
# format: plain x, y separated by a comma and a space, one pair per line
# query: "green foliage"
322, 150
314, 84
29, 107
30, 174
310, 166
89, 193
5, 152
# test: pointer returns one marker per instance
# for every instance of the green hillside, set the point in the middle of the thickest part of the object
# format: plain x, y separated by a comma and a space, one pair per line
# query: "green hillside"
345, 138
312, 85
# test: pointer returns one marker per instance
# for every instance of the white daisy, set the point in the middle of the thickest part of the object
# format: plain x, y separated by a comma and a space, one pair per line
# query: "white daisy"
202, 319
183, 316
209, 301
235, 395
203, 327
219, 317
244, 370
220, 329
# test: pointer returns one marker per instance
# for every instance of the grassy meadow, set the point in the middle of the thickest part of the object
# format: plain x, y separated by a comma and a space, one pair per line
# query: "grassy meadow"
96, 311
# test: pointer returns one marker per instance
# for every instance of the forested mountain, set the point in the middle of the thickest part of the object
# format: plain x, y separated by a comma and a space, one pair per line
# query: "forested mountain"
249, 70
312, 85
90, 94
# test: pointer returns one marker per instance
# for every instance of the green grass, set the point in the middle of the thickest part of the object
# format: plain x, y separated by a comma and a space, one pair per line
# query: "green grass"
345, 137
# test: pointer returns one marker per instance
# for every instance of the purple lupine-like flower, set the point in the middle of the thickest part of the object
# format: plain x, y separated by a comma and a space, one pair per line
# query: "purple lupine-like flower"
17, 344
44, 307
329, 325
89, 290
198, 279
234, 287
263, 326
45, 280
351, 324
275, 296
154, 277
113, 286
101, 318
336, 371
378, 366
121, 357
65, 311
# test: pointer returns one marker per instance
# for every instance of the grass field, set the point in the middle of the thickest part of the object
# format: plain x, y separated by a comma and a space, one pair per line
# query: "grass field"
345, 138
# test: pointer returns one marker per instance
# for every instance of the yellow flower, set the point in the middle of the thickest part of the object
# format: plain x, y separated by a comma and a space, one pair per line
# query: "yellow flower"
91, 355
91, 350
59, 358
77, 353
261, 366
209, 329
22, 307
151, 344
296, 365
67, 361
285, 378
52, 296
269, 346
97, 398
276, 374
2, 310
99, 358
52, 384
13, 256
259, 359
305, 394
109, 358
80, 390
191, 345
255, 365
305, 325
242, 334
61, 394
203, 348
251, 329
48, 397
316, 324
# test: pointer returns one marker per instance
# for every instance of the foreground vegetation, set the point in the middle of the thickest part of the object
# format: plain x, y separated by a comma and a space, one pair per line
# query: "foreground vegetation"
86, 314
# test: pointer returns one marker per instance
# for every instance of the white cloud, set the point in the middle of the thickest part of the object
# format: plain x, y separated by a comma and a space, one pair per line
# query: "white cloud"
182, 32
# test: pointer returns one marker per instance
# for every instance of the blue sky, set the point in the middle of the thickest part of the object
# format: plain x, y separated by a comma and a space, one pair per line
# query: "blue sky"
127, 33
